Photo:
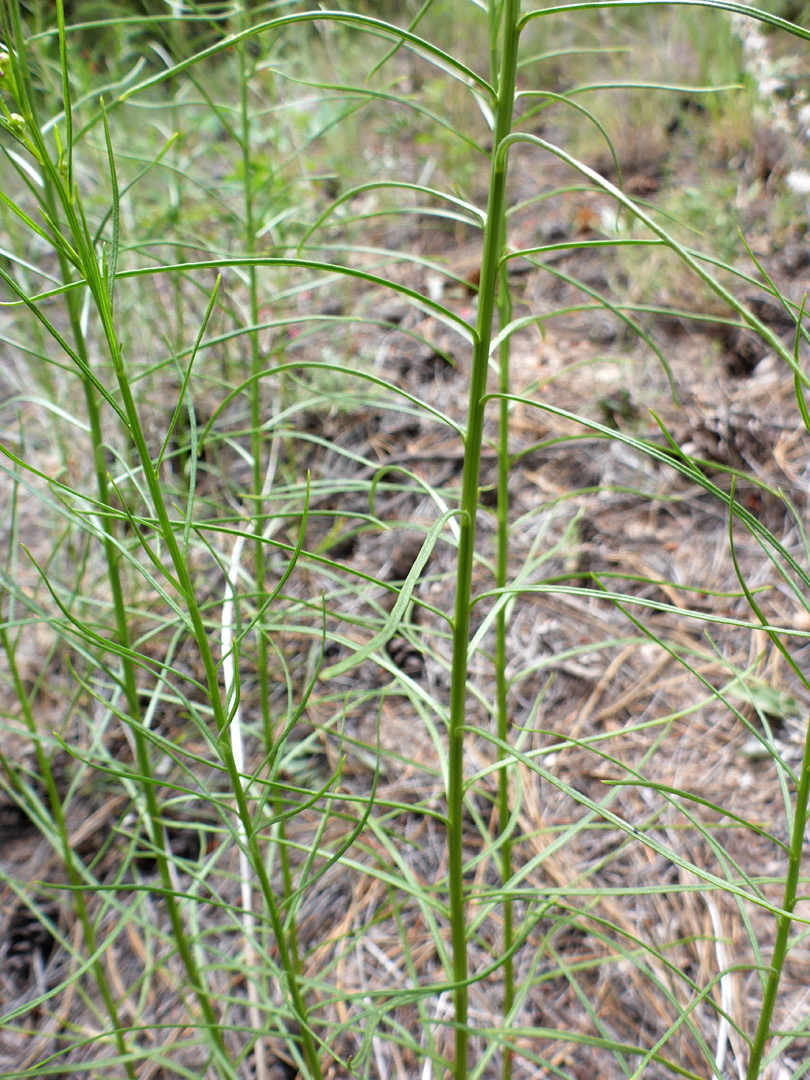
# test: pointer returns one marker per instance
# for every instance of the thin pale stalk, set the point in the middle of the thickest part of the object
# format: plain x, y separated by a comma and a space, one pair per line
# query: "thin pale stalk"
243, 59
230, 671
467, 523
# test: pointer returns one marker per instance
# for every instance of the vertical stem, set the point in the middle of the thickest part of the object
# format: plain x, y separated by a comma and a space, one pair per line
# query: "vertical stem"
255, 367
785, 921
504, 303
466, 546
256, 446
165, 530
58, 188
244, 60
504, 316
12, 28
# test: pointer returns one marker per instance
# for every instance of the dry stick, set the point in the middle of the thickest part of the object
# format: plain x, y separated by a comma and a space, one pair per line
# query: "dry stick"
723, 1027
237, 745
440, 1011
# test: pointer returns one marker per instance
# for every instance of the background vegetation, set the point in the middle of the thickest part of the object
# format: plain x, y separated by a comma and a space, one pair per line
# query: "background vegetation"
405, 581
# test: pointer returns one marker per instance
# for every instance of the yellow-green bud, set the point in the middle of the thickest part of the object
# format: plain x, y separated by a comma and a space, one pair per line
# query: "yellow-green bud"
16, 124
3, 62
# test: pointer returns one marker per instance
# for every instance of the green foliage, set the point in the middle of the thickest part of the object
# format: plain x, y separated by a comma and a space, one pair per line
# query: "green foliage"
339, 828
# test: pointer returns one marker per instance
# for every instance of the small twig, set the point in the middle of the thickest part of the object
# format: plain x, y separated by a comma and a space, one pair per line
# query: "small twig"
725, 985
237, 745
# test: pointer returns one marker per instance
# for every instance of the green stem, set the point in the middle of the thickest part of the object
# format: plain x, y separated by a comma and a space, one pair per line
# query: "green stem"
504, 303
784, 921
186, 587
111, 555
56, 186
256, 446
494, 13
103, 304
466, 545
255, 367
157, 834
504, 316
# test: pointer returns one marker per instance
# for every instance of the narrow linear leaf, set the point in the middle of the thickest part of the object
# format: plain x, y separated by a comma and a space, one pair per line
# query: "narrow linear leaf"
399, 607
